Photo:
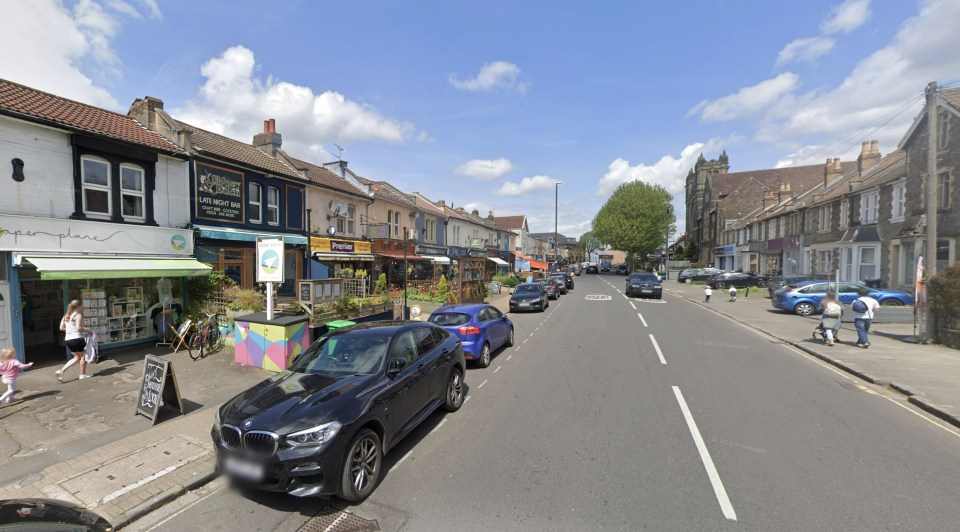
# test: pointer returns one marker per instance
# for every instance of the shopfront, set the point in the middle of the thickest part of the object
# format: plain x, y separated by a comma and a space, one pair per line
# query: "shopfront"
332, 256
772, 255
724, 257
131, 279
440, 263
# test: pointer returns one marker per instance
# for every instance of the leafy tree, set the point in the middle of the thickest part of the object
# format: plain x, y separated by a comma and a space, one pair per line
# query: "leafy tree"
635, 219
588, 243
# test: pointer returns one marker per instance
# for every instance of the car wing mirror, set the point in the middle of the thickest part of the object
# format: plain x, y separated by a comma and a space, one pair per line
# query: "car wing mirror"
396, 366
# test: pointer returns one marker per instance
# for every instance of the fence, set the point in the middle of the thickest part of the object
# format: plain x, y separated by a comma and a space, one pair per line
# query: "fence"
356, 287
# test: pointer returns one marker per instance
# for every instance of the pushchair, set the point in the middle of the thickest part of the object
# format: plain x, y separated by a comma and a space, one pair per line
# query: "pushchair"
832, 323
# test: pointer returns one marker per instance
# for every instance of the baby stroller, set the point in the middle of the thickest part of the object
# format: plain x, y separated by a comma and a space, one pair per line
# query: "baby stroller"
832, 323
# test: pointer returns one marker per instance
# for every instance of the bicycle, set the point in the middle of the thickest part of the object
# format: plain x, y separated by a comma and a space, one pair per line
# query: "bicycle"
207, 335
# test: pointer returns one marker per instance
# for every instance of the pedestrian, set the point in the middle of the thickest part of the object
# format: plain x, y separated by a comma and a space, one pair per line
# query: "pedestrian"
863, 309
9, 371
733, 294
830, 311
707, 292
74, 331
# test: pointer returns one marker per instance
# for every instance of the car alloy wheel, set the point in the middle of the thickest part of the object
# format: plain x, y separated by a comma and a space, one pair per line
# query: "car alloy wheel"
484, 359
510, 338
804, 309
892, 303
362, 468
454, 398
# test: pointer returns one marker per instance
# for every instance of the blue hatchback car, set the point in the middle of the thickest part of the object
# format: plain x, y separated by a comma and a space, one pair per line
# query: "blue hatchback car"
804, 298
481, 328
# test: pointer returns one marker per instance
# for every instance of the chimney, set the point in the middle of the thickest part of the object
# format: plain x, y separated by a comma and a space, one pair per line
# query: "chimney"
460, 210
442, 204
269, 141
489, 215
769, 199
831, 171
784, 192
145, 111
869, 156
475, 212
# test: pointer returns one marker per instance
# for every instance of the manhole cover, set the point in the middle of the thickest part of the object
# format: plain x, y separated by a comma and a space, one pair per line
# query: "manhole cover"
595, 297
330, 519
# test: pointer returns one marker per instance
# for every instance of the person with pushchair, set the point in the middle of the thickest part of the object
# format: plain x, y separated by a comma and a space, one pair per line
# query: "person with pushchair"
831, 311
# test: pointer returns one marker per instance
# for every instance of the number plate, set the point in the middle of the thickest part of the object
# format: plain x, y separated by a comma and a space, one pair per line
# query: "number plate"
646, 291
243, 469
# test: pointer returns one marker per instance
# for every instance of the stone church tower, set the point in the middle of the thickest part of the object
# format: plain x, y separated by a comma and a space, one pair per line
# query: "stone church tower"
698, 193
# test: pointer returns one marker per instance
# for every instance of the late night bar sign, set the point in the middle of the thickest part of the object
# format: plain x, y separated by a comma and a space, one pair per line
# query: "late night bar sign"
219, 193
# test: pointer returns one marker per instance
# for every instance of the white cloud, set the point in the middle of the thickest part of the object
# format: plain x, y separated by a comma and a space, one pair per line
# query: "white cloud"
846, 17
807, 49
748, 101
60, 50
495, 75
669, 172
485, 168
234, 101
527, 185
478, 206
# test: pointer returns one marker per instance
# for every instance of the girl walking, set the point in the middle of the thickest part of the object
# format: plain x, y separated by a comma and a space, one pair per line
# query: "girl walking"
72, 326
9, 371
707, 292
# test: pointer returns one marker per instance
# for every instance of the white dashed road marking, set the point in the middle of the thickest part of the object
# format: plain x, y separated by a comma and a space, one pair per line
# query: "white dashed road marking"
509, 357
438, 426
643, 321
632, 305
659, 352
482, 383
498, 369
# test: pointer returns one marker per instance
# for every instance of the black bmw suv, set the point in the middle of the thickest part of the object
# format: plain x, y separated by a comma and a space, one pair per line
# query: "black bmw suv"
323, 426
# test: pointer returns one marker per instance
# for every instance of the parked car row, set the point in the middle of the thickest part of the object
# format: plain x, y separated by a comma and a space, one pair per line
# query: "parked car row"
736, 279
697, 274
804, 298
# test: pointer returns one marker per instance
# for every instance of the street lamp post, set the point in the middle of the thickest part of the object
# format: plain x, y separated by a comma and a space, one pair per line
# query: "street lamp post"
404, 315
666, 244
556, 238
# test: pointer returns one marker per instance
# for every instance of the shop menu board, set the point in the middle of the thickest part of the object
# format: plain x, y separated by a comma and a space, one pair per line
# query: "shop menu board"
158, 387
219, 193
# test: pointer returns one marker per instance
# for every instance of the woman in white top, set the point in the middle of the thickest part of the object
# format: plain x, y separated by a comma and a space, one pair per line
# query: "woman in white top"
74, 331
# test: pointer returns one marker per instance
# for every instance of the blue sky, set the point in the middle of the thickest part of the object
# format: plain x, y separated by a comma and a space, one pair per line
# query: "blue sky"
532, 92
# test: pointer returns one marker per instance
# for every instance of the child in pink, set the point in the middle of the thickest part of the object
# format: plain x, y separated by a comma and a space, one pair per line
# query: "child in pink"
9, 371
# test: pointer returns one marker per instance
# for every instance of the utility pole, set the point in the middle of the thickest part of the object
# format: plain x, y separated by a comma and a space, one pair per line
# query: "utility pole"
308, 263
930, 263
666, 244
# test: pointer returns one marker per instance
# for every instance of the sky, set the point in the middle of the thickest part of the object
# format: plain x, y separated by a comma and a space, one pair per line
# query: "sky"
487, 105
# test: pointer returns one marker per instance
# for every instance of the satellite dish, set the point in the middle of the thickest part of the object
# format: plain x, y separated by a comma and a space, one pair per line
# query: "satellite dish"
337, 207
332, 230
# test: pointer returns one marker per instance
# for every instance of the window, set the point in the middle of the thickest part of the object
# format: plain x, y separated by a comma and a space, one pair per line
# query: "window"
396, 223
844, 212
273, 205
131, 191
869, 204
404, 348
867, 268
909, 263
943, 191
899, 201
848, 263
96, 186
346, 223
824, 263
389, 221
943, 254
824, 216
456, 235
943, 135
256, 202
425, 341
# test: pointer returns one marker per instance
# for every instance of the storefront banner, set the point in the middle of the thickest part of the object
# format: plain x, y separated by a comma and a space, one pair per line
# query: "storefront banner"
456, 251
329, 245
270, 261
219, 193
26, 234
431, 251
724, 250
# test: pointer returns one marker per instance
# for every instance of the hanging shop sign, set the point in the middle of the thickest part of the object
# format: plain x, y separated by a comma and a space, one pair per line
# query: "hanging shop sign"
330, 245
26, 233
270, 260
219, 193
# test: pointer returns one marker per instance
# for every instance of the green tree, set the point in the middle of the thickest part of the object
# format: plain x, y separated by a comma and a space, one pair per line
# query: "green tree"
588, 243
635, 219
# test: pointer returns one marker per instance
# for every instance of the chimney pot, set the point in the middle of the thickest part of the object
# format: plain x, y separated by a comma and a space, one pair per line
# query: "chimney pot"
864, 147
869, 157
875, 146
475, 212
273, 126
266, 126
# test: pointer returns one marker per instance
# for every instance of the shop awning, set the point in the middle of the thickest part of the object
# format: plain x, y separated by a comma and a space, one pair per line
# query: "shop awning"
399, 256
538, 265
440, 260
498, 261
342, 257
229, 233
63, 268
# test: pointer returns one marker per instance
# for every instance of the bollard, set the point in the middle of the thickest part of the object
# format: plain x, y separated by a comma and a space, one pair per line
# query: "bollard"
747, 293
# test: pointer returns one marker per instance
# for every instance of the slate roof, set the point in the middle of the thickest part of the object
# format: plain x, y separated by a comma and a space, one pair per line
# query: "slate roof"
37, 106
952, 96
800, 178
325, 177
563, 240
209, 143
511, 222
892, 166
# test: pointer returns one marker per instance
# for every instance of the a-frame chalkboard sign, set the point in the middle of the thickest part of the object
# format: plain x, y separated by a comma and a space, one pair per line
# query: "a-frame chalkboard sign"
158, 386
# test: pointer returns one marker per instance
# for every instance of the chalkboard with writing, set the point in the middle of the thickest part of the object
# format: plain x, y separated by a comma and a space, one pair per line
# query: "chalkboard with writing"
158, 387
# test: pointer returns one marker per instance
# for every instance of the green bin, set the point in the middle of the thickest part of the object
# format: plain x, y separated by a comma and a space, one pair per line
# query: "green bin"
339, 324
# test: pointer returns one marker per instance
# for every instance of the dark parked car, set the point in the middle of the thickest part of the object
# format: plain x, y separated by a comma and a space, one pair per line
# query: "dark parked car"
529, 296
698, 274
779, 281
740, 280
565, 278
481, 328
644, 285
49, 515
550, 286
592, 268
605, 267
622, 269
323, 426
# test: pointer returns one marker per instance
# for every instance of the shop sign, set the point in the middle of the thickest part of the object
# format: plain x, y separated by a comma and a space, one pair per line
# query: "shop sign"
435, 252
478, 253
270, 261
456, 251
775, 244
329, 245
26, 233
219, 193
724, 250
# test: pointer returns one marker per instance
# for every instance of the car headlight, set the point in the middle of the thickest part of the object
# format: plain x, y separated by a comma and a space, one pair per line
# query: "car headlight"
315, 436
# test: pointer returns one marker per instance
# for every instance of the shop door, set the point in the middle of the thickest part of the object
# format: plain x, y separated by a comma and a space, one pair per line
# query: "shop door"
5, 340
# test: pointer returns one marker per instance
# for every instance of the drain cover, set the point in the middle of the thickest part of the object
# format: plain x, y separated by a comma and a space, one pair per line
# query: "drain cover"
329, 519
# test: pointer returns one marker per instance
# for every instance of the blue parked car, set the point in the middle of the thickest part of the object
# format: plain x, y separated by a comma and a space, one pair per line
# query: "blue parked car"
481, 328
804, 298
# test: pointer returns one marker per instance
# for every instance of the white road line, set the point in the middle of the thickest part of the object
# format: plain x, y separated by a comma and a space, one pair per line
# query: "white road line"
715, 481
517, 349
400, 461
482, 383
632, 305
659, 352
525, 340
467, 399
438, 426
509, 357
498, 369
644, 322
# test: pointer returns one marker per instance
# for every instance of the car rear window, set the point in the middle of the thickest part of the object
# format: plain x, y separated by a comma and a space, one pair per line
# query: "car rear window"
448, 319
527, 289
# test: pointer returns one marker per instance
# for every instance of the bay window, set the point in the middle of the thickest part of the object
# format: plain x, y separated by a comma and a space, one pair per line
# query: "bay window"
867, 267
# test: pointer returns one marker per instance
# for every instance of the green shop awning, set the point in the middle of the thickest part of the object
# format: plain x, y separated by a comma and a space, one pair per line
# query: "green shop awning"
61, 268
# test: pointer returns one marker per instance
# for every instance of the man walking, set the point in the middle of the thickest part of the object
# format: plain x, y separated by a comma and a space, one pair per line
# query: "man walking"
863, 308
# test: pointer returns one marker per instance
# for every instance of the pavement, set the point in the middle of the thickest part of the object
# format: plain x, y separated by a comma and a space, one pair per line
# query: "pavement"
926, 374
628, 414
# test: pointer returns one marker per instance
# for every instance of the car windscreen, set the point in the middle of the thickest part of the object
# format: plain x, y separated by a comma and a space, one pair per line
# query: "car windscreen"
644, 278
344, 354
448, 319
527, 289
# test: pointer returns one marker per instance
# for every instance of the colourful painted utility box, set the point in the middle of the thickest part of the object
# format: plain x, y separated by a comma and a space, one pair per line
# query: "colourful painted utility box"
269, 344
